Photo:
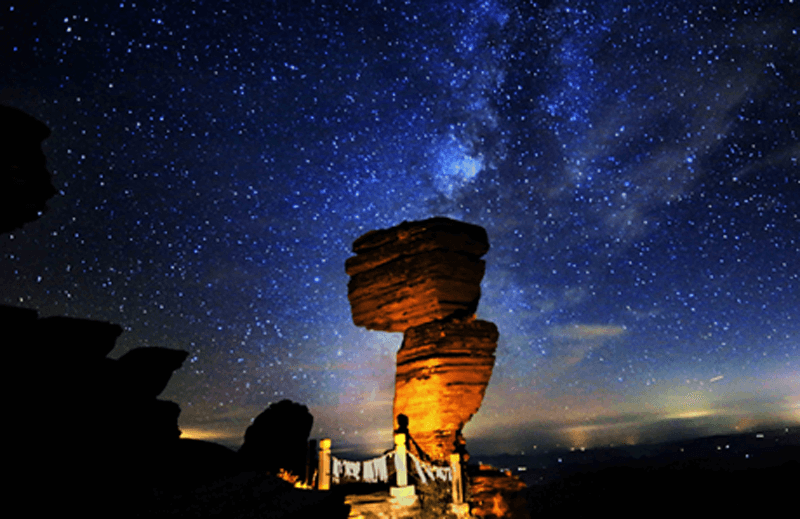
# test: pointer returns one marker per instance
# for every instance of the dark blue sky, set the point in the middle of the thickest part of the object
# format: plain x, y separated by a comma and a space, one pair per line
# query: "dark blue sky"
635, 166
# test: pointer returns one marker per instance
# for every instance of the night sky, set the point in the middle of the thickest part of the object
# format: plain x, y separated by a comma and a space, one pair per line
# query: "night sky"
635, 164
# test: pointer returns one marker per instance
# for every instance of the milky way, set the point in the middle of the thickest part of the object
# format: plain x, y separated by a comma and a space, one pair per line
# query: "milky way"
635, 166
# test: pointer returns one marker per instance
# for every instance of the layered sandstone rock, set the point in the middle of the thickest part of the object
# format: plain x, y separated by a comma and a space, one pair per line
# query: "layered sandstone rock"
423, 278
443, 369
416, 273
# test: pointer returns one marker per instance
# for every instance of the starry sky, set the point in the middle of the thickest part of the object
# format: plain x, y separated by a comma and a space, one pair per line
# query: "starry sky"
635, 164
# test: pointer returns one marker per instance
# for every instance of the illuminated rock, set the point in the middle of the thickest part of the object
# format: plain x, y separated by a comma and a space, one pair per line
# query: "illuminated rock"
497, 494
415, 273
443, 369
423, 278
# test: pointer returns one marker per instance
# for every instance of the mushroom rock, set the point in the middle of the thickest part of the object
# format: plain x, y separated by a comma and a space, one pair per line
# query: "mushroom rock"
415, 273
423, 278
443, 369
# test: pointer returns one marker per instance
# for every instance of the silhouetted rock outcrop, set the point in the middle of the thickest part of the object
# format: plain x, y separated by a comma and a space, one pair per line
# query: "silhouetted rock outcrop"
443, 369
73, 340
90, 437
25, 184
93, 433
278, 439
94, 439
416, 273
148, 370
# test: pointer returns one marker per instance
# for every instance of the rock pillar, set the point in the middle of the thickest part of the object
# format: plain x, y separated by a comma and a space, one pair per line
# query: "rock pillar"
423, 279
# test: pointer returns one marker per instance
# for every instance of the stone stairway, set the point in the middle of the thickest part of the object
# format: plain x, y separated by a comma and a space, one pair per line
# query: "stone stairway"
380, 505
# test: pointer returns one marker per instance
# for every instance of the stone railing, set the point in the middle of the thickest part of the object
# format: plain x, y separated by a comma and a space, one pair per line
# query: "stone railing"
333, 470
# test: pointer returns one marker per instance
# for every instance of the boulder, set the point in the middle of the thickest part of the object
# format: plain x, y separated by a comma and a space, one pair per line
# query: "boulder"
278, 439
415, 273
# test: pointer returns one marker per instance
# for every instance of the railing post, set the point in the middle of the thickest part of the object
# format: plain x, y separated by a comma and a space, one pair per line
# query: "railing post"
401, 461
455, 469
458, 506
403, 495
324, 464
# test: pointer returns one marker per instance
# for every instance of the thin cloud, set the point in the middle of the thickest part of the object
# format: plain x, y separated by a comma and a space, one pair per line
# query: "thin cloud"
583, 332
210, 434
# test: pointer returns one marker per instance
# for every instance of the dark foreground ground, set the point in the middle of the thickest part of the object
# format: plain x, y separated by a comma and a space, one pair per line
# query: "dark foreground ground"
699, 487
737, 474
734, 475
752, 473
248, 495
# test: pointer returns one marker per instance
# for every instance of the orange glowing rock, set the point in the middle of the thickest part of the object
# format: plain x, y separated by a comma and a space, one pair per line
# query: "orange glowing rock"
415, 273
443, 369
423, 278
495, 494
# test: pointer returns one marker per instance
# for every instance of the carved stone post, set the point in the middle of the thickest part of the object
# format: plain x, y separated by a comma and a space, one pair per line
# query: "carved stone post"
403, 495
458, 488
458, 506
325, 464
401, 460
